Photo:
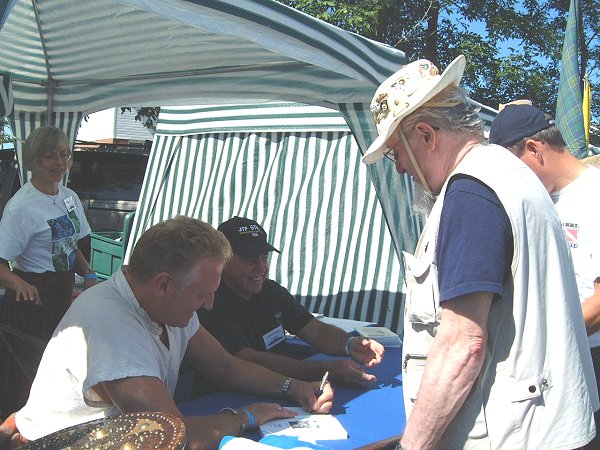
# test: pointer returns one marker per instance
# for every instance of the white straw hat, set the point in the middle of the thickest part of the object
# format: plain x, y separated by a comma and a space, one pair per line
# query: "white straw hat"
403, 92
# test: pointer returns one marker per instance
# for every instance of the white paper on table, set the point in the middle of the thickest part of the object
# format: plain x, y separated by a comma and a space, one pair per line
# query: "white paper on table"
307, 427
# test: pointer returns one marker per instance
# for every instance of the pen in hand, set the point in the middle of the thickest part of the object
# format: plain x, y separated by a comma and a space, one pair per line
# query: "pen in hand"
323, 381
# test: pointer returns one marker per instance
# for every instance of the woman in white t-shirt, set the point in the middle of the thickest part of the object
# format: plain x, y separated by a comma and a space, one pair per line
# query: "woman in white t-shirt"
39, 231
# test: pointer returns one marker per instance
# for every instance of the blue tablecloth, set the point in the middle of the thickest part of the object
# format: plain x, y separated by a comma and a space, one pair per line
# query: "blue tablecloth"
369, 415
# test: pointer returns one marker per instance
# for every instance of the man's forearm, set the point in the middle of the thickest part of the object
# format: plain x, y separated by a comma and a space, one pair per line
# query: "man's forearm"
446, 383
248, 377
453, 364
324, 337
301, 369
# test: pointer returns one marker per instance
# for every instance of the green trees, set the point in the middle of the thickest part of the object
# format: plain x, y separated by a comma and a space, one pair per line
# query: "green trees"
4, 138
513, 47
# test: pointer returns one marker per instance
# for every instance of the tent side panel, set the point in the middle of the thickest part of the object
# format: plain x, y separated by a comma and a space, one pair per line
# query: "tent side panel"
311, 193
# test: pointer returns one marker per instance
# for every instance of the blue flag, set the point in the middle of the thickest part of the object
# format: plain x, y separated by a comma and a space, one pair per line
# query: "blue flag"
569, 107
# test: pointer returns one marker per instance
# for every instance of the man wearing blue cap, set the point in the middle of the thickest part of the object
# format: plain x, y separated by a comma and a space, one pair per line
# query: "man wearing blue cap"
251, 314
575, 190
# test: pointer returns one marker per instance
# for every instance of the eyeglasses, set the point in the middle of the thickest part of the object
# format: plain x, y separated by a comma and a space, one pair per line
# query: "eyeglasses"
391, 154
55, 157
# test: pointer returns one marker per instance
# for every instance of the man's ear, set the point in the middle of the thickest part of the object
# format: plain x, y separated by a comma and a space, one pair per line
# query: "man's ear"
427, 134
160, 282
533, 148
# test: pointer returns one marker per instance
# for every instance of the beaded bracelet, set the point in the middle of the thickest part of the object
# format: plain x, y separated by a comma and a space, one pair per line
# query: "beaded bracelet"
90, 276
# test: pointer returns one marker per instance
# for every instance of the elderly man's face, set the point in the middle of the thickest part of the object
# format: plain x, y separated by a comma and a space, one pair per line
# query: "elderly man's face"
422, 201
398, 155
245, 276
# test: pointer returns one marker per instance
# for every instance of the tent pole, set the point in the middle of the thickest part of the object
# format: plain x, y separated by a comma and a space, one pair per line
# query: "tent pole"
50, 89
51, 86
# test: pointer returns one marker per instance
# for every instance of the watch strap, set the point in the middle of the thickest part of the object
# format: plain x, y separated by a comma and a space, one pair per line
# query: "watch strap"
285, 387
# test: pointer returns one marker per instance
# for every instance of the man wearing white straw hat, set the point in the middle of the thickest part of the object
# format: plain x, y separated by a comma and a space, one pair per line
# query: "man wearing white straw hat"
489, 359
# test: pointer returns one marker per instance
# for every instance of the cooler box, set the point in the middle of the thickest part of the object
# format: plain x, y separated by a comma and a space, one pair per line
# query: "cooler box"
108, 249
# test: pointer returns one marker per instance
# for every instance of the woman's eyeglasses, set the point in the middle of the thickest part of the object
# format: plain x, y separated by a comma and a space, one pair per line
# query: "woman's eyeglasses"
54, 157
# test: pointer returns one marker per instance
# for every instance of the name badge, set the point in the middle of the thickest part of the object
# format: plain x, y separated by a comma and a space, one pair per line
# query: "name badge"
274, 337
69, 203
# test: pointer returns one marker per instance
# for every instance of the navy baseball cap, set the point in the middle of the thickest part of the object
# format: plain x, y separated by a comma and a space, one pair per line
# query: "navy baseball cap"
247, 238
516, 122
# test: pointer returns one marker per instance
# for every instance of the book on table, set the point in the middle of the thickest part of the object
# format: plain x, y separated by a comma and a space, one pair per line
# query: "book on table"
383, 335
306, 426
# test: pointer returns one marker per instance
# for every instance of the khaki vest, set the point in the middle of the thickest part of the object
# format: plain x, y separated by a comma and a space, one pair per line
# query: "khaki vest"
536, 388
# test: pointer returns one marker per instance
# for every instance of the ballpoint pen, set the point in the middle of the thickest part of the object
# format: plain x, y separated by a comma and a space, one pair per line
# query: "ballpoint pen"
323, 381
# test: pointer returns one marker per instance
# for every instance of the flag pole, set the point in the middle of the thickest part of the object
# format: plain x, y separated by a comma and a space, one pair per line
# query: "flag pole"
587, 108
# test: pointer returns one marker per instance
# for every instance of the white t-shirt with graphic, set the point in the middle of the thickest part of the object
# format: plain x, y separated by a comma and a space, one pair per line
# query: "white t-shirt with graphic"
39, 232
578, 207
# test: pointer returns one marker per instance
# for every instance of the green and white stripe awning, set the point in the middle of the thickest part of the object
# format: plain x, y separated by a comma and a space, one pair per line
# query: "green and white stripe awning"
69, 58
278, 117
73, 55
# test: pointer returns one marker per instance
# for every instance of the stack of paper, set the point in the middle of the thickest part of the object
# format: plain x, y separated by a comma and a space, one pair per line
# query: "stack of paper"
306, 426
383, 335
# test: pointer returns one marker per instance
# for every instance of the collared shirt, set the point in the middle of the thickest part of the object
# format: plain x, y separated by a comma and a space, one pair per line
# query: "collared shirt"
105, 335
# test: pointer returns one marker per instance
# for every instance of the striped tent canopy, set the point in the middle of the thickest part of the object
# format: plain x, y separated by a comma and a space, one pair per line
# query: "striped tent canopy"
69, 58
73, 55
296, 169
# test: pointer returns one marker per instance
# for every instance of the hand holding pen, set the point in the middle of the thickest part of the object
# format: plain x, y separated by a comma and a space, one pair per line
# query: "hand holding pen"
323, 381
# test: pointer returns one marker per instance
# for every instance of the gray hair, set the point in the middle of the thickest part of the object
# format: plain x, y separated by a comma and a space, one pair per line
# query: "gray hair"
448, 110
42, 140
176, 246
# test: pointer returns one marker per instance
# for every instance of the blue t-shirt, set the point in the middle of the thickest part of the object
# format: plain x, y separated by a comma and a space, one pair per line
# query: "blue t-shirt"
475, 242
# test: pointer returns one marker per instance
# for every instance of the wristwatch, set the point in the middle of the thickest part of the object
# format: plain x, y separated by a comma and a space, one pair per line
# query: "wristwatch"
347, 345
285, 387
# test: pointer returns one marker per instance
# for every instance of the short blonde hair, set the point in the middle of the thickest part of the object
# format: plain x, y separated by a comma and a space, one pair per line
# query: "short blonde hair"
40, 141
176, 246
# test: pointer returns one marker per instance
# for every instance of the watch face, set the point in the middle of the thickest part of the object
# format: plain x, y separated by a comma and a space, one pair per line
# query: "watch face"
286, 386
